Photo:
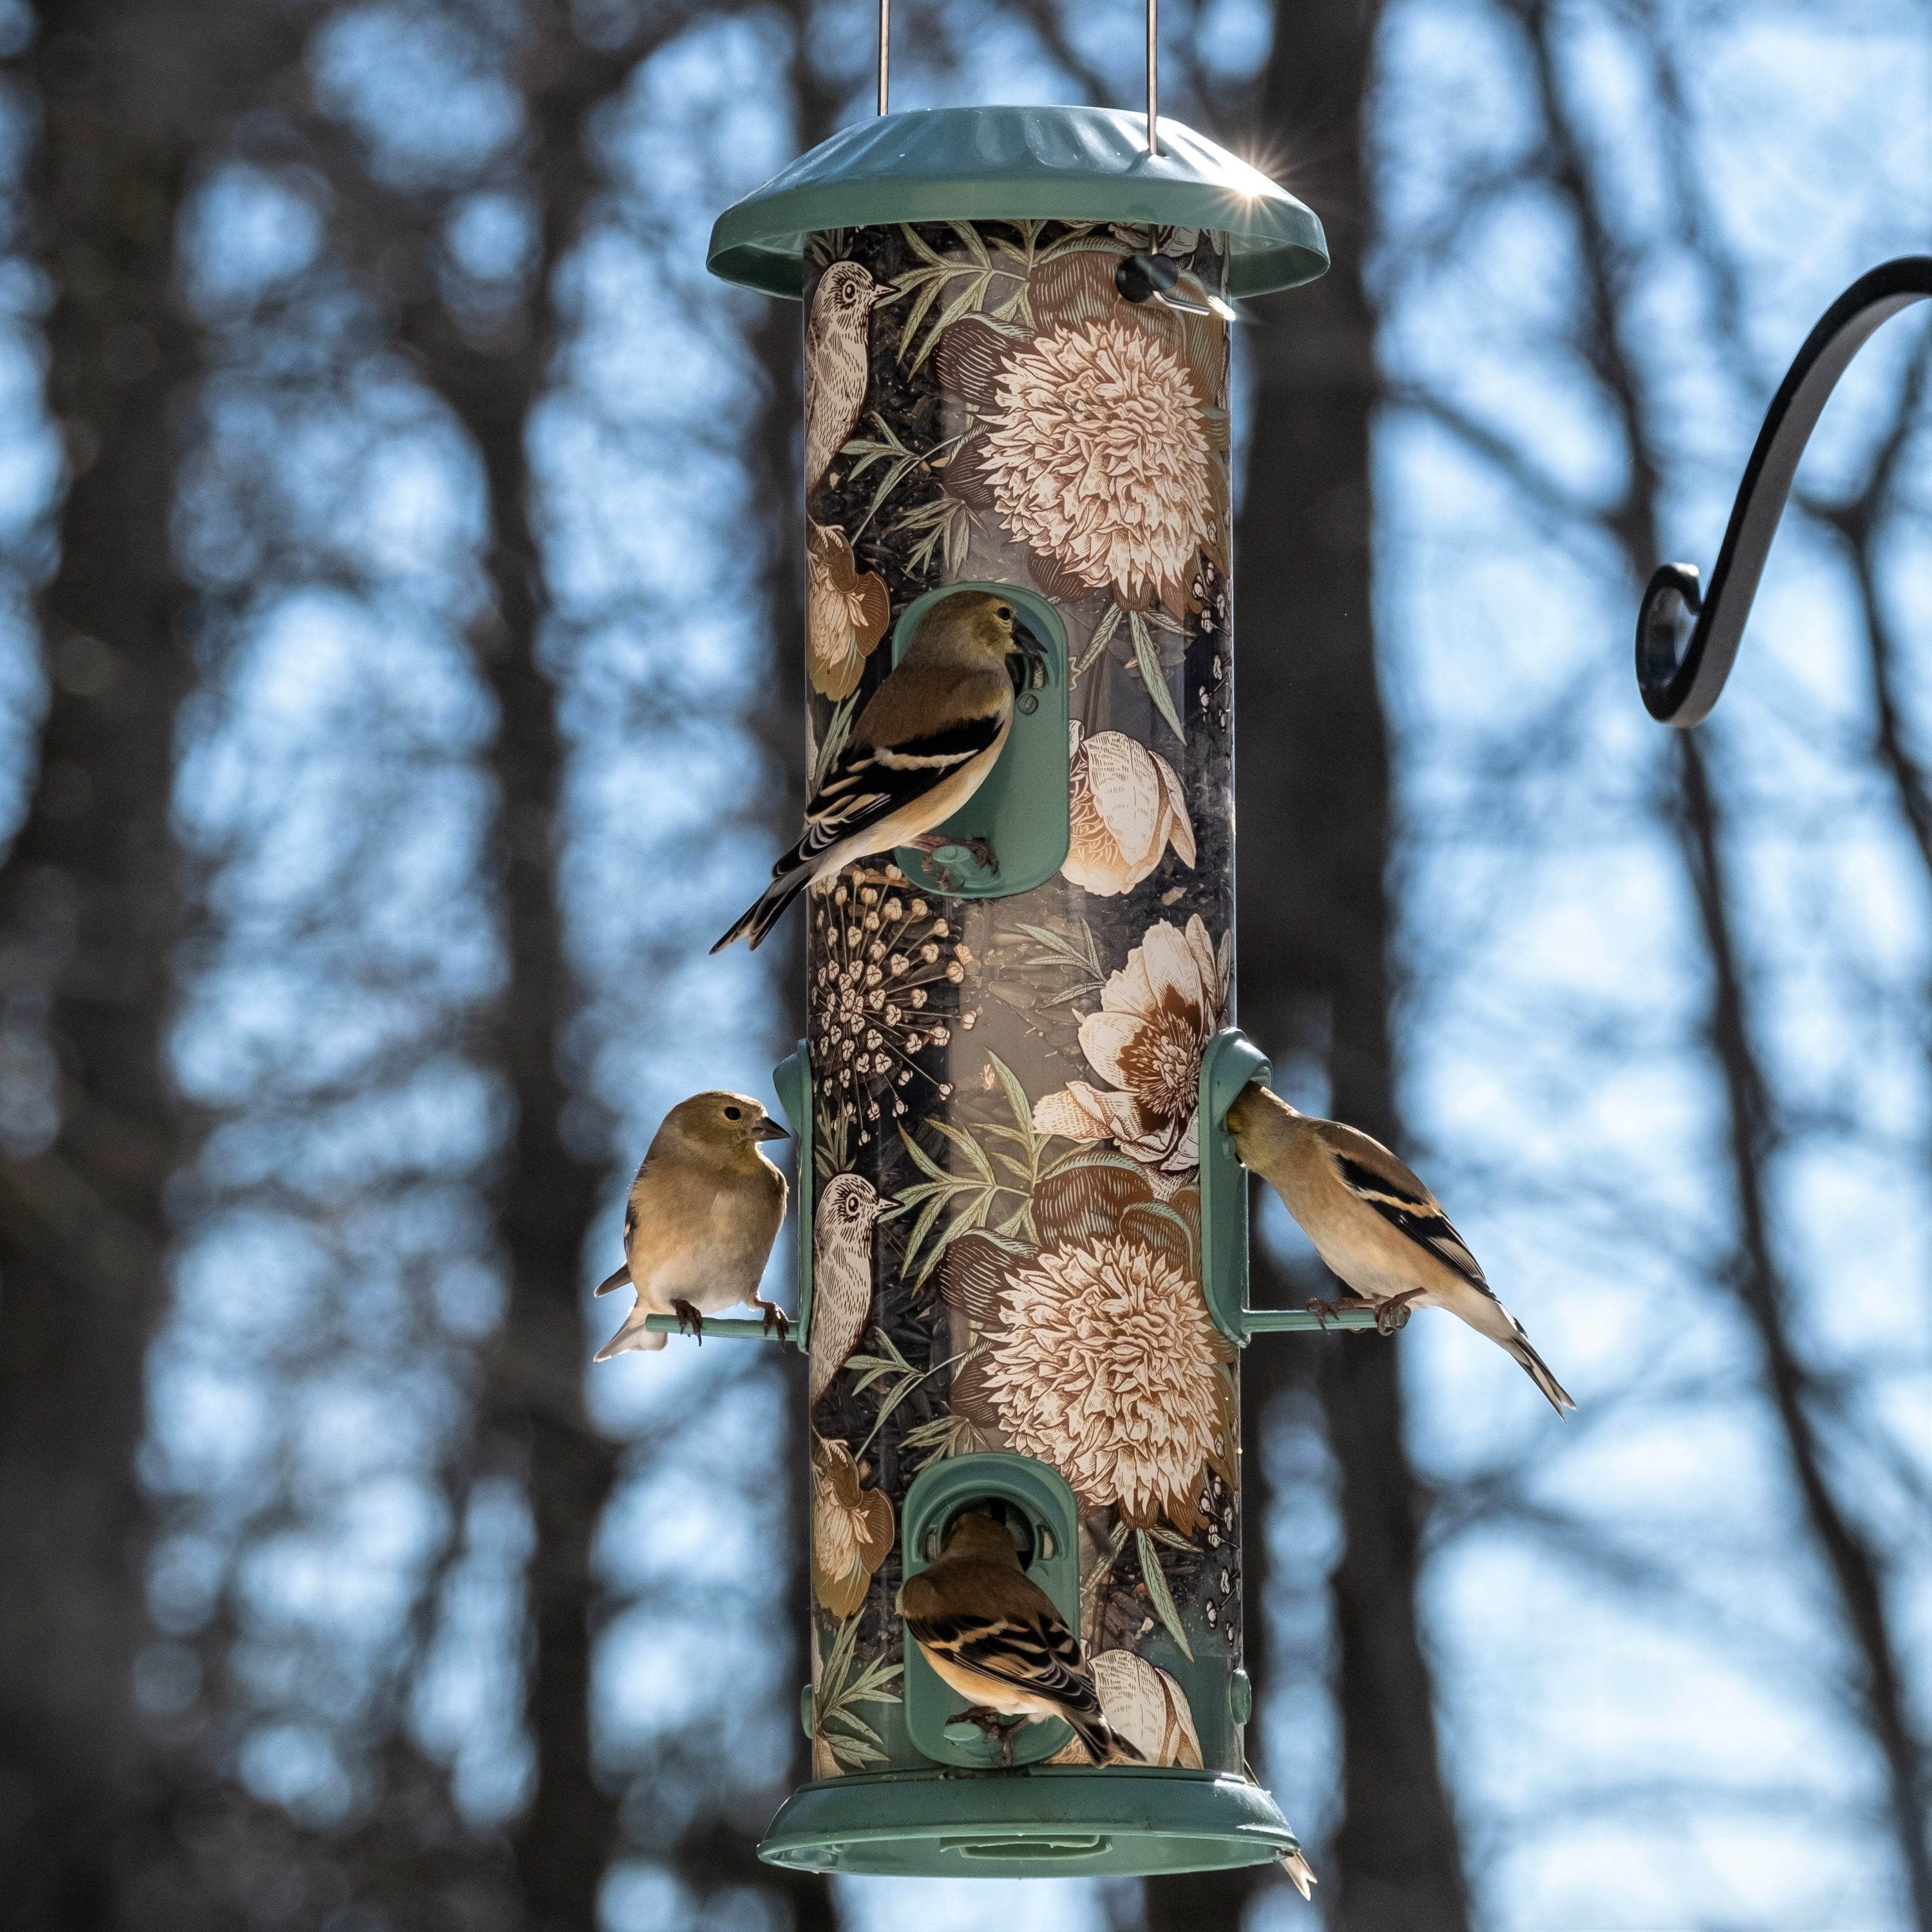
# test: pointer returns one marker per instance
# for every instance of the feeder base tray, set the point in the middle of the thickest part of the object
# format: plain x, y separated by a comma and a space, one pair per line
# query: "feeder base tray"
1046, 1821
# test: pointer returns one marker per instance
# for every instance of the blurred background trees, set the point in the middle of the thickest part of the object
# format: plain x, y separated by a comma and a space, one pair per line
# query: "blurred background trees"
399, 627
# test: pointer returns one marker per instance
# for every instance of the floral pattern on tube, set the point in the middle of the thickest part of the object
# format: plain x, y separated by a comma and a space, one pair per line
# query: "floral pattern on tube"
1004, 1138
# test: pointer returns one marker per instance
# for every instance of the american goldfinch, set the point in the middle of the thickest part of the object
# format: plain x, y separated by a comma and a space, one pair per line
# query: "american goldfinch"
1375, 1224
841, 1275
704, 1210
994, 1635
922, 746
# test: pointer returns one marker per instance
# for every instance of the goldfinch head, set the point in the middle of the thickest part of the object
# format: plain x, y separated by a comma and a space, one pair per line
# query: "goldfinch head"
976, 1537
1262, 1124
719, 1126
974, 626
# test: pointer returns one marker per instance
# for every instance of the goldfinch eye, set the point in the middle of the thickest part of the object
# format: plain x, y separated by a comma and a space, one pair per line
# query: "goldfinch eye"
734, 1113
1005, 616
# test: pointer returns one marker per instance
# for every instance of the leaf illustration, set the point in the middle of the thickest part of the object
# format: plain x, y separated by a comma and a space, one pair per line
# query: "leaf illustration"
1162, 1596
836, 733
932, 278
855, 1744
1110, 622
1152, 676
972, 1197
944, 1436
1062, 954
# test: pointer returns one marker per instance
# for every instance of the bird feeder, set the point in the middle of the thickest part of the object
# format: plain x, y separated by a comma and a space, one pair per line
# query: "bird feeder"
1023, 1232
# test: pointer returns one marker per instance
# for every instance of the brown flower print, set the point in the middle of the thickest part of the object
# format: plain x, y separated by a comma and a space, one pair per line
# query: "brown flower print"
1146, 1705
847, 612
1100, 440
852, 1529
1127, 808
1105, 1365
1157, 1017
1097, 456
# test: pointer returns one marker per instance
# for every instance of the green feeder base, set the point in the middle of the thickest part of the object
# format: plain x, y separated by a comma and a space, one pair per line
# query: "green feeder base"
1047, 1821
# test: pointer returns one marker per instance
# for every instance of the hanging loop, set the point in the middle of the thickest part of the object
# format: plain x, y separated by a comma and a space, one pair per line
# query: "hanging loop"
1687, 637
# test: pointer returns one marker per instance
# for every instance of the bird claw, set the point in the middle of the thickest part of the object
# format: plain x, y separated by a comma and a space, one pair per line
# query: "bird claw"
774, 1315
1392, 1314
1321, 1310
998, 1729
689, 1321
981, 849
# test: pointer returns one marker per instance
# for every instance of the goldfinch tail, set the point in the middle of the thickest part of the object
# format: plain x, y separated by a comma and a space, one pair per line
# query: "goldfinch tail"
622, 1279
790, 879
633, 1335
1538, 1372
1105, 1744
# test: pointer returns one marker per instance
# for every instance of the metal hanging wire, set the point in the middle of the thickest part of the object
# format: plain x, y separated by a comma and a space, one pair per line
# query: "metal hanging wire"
1154, 76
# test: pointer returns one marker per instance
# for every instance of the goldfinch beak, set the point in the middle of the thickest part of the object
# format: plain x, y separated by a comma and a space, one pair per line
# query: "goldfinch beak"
1026, 642
770, 1130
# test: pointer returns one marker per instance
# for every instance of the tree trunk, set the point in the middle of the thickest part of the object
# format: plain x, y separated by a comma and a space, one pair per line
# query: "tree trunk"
547, 1192
91, 915
544, 1199
1313, 779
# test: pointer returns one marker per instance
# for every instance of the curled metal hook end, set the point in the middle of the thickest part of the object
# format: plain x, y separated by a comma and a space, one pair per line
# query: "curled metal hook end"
1687, 638
1667, 653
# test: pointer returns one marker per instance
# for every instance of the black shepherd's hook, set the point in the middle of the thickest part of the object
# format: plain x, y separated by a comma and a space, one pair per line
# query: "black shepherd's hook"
1681, 681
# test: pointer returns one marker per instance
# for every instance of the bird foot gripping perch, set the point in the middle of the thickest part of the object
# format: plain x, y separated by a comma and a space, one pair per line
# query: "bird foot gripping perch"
1395, 1310
1393, 1313
950, 857
996, 1728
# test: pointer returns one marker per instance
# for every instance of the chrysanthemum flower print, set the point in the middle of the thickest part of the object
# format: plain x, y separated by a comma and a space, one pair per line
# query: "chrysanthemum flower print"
1106, 1366
1097, 456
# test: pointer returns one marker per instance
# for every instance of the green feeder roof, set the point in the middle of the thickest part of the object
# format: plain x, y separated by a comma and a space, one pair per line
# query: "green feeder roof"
1009, 164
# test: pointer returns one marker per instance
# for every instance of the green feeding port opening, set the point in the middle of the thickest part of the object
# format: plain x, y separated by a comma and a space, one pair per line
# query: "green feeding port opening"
1231, 1062
1040, 1509
1023, 811
791, 1080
